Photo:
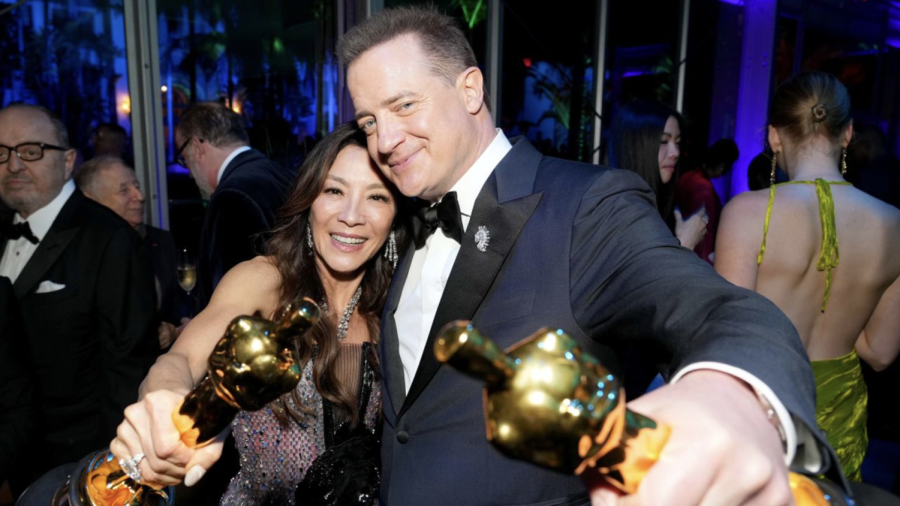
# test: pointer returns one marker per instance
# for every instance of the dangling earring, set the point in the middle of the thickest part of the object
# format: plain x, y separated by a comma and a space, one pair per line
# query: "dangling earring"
774, 167
843, 161
390, 250
309, 241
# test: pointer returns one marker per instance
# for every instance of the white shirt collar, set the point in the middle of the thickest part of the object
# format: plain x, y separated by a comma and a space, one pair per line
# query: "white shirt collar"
41, 220
469, 185
228, 160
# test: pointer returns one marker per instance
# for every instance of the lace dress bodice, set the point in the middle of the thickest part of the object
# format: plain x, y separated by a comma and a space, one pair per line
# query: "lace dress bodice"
275, 458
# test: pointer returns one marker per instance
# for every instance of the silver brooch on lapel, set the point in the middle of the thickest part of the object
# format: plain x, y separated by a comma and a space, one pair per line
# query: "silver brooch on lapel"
482, 238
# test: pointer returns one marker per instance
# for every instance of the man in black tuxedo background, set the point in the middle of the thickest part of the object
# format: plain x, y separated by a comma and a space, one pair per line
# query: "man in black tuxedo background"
17, 413
244, 189
84, 287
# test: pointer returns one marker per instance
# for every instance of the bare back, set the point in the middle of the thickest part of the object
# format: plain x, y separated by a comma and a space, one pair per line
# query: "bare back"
868, 235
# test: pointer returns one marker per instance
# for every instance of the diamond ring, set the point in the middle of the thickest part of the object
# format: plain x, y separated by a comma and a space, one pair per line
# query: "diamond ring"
130, 466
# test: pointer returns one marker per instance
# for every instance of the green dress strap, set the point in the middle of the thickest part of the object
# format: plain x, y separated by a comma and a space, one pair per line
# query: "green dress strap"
830, 254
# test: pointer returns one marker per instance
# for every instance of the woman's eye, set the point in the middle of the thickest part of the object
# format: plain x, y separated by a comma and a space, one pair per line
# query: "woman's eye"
332, 191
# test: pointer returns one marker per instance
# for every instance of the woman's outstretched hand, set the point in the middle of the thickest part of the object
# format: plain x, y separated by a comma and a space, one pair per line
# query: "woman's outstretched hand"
148, 428
691, 231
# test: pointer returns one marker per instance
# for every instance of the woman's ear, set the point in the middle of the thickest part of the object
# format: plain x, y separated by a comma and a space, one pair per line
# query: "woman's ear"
848, 135
774, 140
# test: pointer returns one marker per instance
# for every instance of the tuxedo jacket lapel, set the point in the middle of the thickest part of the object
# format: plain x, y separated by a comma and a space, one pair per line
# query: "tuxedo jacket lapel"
390, 342
503, 206
51, 246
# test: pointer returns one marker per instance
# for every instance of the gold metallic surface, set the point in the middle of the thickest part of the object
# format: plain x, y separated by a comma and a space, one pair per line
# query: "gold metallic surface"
548, 402
806, 492
252, 365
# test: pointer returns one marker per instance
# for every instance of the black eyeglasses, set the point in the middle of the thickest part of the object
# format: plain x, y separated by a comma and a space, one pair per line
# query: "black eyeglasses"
27, 151
179, 158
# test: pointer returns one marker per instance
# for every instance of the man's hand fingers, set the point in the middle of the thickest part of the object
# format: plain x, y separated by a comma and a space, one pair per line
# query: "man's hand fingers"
722, 449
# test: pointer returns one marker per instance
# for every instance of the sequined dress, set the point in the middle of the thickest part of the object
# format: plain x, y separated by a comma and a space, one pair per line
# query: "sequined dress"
274, 458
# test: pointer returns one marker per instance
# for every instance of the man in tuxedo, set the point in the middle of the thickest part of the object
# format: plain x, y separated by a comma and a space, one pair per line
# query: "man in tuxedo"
109, 181
17, 414
528, 241
84, 288
244, 189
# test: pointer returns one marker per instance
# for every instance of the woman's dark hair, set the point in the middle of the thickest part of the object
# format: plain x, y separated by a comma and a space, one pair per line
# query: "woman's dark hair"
634, 145
300, 277
759, 170
811, 104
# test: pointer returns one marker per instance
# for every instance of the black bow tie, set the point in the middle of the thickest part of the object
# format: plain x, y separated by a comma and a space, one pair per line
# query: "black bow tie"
445, 215
18, 230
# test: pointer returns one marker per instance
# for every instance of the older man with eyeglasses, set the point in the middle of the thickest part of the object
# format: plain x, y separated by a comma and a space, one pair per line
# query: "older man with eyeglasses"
85, 290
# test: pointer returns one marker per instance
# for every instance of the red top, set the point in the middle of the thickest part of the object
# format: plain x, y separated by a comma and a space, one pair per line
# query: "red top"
692, 191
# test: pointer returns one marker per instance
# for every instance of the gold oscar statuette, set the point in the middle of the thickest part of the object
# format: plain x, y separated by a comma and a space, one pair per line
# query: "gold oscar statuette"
253, 364
549, 402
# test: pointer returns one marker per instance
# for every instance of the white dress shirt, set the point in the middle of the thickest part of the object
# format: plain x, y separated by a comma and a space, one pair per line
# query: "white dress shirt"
431, 264
228, 160
18, 252
430, 268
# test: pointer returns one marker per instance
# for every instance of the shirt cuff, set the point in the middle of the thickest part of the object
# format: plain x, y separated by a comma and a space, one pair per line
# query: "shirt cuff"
810, 458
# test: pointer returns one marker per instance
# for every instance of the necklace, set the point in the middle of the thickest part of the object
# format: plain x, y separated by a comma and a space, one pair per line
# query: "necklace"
344, 324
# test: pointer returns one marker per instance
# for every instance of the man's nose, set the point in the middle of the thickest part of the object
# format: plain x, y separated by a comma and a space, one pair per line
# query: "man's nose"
14, 164
389, 136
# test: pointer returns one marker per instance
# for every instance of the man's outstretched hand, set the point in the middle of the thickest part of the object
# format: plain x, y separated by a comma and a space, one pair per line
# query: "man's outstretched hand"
723, 450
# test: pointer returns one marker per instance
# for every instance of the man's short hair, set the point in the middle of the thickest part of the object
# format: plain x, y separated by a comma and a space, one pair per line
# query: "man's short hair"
88, 172
62, 133
214, 123
112, 128
440, 37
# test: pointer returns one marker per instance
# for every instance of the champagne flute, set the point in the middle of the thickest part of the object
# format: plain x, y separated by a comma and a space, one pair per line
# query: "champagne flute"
187, 272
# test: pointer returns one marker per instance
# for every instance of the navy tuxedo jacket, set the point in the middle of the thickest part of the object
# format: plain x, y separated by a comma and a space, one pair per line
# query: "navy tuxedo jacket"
240, 210
91, 342
582, 248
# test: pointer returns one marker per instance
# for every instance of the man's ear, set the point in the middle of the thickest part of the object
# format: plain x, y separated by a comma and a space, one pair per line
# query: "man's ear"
774, 140
472, 82
70, 157
199, 148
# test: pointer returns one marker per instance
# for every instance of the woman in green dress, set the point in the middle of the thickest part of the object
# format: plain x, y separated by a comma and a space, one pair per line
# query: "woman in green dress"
823, 252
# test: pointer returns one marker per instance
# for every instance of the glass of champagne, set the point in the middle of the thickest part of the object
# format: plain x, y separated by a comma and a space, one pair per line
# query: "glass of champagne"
187, 272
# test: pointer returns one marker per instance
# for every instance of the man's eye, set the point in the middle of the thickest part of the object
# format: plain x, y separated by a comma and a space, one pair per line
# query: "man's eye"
368, 124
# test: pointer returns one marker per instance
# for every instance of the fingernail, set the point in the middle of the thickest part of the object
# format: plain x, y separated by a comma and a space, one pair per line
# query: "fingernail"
193, 476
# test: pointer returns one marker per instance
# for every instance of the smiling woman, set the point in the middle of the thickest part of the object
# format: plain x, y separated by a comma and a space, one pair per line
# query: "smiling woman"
351, 218
645, 139
336, 241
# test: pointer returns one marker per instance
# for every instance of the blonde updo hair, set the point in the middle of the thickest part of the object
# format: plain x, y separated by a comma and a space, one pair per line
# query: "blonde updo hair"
811, 104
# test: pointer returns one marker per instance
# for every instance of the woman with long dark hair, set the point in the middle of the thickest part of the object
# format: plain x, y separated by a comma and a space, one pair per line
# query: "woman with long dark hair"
645, 139
336, 241
785, 243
